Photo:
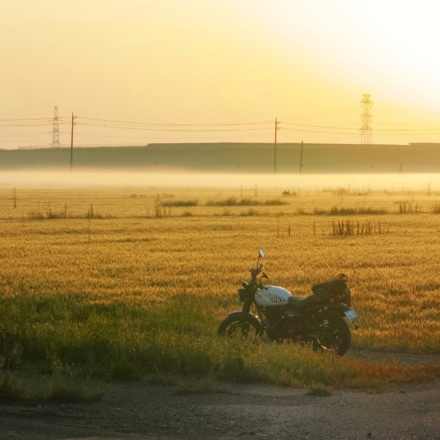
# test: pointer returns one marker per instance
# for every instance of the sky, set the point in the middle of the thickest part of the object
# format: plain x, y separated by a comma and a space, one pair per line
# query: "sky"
134, 72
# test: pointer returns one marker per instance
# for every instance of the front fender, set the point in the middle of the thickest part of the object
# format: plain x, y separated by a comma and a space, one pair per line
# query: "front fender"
250, 316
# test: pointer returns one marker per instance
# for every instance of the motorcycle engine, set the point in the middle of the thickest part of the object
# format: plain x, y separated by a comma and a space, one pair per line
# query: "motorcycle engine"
284, 326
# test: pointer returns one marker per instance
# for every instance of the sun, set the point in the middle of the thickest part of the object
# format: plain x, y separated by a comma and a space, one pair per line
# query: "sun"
402, 40
408, 30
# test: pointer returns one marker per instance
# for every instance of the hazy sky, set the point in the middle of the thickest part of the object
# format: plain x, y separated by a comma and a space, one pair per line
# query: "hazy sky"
141, 71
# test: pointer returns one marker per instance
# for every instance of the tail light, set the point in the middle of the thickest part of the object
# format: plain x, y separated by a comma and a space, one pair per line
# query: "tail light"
347, 297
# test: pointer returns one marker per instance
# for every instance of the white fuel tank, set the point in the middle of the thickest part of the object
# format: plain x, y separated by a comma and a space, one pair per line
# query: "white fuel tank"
272, 296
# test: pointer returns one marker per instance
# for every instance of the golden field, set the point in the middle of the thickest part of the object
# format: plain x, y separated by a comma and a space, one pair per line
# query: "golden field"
141, 276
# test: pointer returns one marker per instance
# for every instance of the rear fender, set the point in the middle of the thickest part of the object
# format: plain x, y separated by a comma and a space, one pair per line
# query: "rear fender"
250, 317
340, 309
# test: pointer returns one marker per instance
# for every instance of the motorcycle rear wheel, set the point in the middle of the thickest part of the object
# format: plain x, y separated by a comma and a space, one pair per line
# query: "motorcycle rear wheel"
333, 334
234, 326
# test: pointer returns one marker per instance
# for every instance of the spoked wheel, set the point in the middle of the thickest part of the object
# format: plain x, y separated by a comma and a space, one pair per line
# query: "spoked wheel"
333, 334
234, 326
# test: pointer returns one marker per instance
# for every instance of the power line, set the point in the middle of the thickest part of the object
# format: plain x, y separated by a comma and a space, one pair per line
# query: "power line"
25, 134
237, 130
406, 111
26, 125
321, 131
178, 124
352, 128
27, 119
319, 126
269, 125
170, 129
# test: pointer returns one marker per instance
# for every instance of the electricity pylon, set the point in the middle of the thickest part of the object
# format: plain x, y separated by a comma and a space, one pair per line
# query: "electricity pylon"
56, 129
366, 118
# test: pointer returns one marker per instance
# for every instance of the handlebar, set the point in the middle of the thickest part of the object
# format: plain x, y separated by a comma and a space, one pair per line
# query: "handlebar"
255, 271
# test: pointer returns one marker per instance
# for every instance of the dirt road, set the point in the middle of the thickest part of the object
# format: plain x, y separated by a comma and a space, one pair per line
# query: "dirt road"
143, 411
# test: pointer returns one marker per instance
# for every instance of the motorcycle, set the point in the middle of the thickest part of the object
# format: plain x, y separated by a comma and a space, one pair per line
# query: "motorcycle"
322, 318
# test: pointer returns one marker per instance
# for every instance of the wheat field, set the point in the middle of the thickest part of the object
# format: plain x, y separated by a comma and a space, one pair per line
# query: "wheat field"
100, 276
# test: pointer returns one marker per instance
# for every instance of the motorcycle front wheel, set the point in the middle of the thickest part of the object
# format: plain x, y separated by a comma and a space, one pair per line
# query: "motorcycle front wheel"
333, 334
234, 326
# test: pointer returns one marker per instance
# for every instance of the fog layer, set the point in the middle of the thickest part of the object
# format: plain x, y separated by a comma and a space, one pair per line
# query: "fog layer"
352, 182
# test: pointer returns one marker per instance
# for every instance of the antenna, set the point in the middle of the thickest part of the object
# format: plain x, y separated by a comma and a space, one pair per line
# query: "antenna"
366, 118
56, 129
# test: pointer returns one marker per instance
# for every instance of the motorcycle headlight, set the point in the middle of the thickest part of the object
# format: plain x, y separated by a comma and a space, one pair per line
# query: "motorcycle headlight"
242, 294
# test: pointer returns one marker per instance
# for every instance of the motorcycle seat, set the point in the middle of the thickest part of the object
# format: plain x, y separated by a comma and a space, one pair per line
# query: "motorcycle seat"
301, 301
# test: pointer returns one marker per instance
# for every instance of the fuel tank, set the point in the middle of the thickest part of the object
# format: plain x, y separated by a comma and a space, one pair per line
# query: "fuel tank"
272, 296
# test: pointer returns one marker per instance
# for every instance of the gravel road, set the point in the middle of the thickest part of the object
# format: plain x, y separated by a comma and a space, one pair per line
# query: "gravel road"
234, 411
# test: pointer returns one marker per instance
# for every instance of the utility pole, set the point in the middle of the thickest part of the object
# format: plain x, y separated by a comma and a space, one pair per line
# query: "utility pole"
71, 142
277, 123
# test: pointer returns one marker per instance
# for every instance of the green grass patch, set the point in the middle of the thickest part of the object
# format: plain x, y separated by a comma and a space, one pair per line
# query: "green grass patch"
234, 201
76, 344
350, 211
179, 203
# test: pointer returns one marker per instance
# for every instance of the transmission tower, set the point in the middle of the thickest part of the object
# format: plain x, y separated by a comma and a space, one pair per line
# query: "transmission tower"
366, 118
56, 129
